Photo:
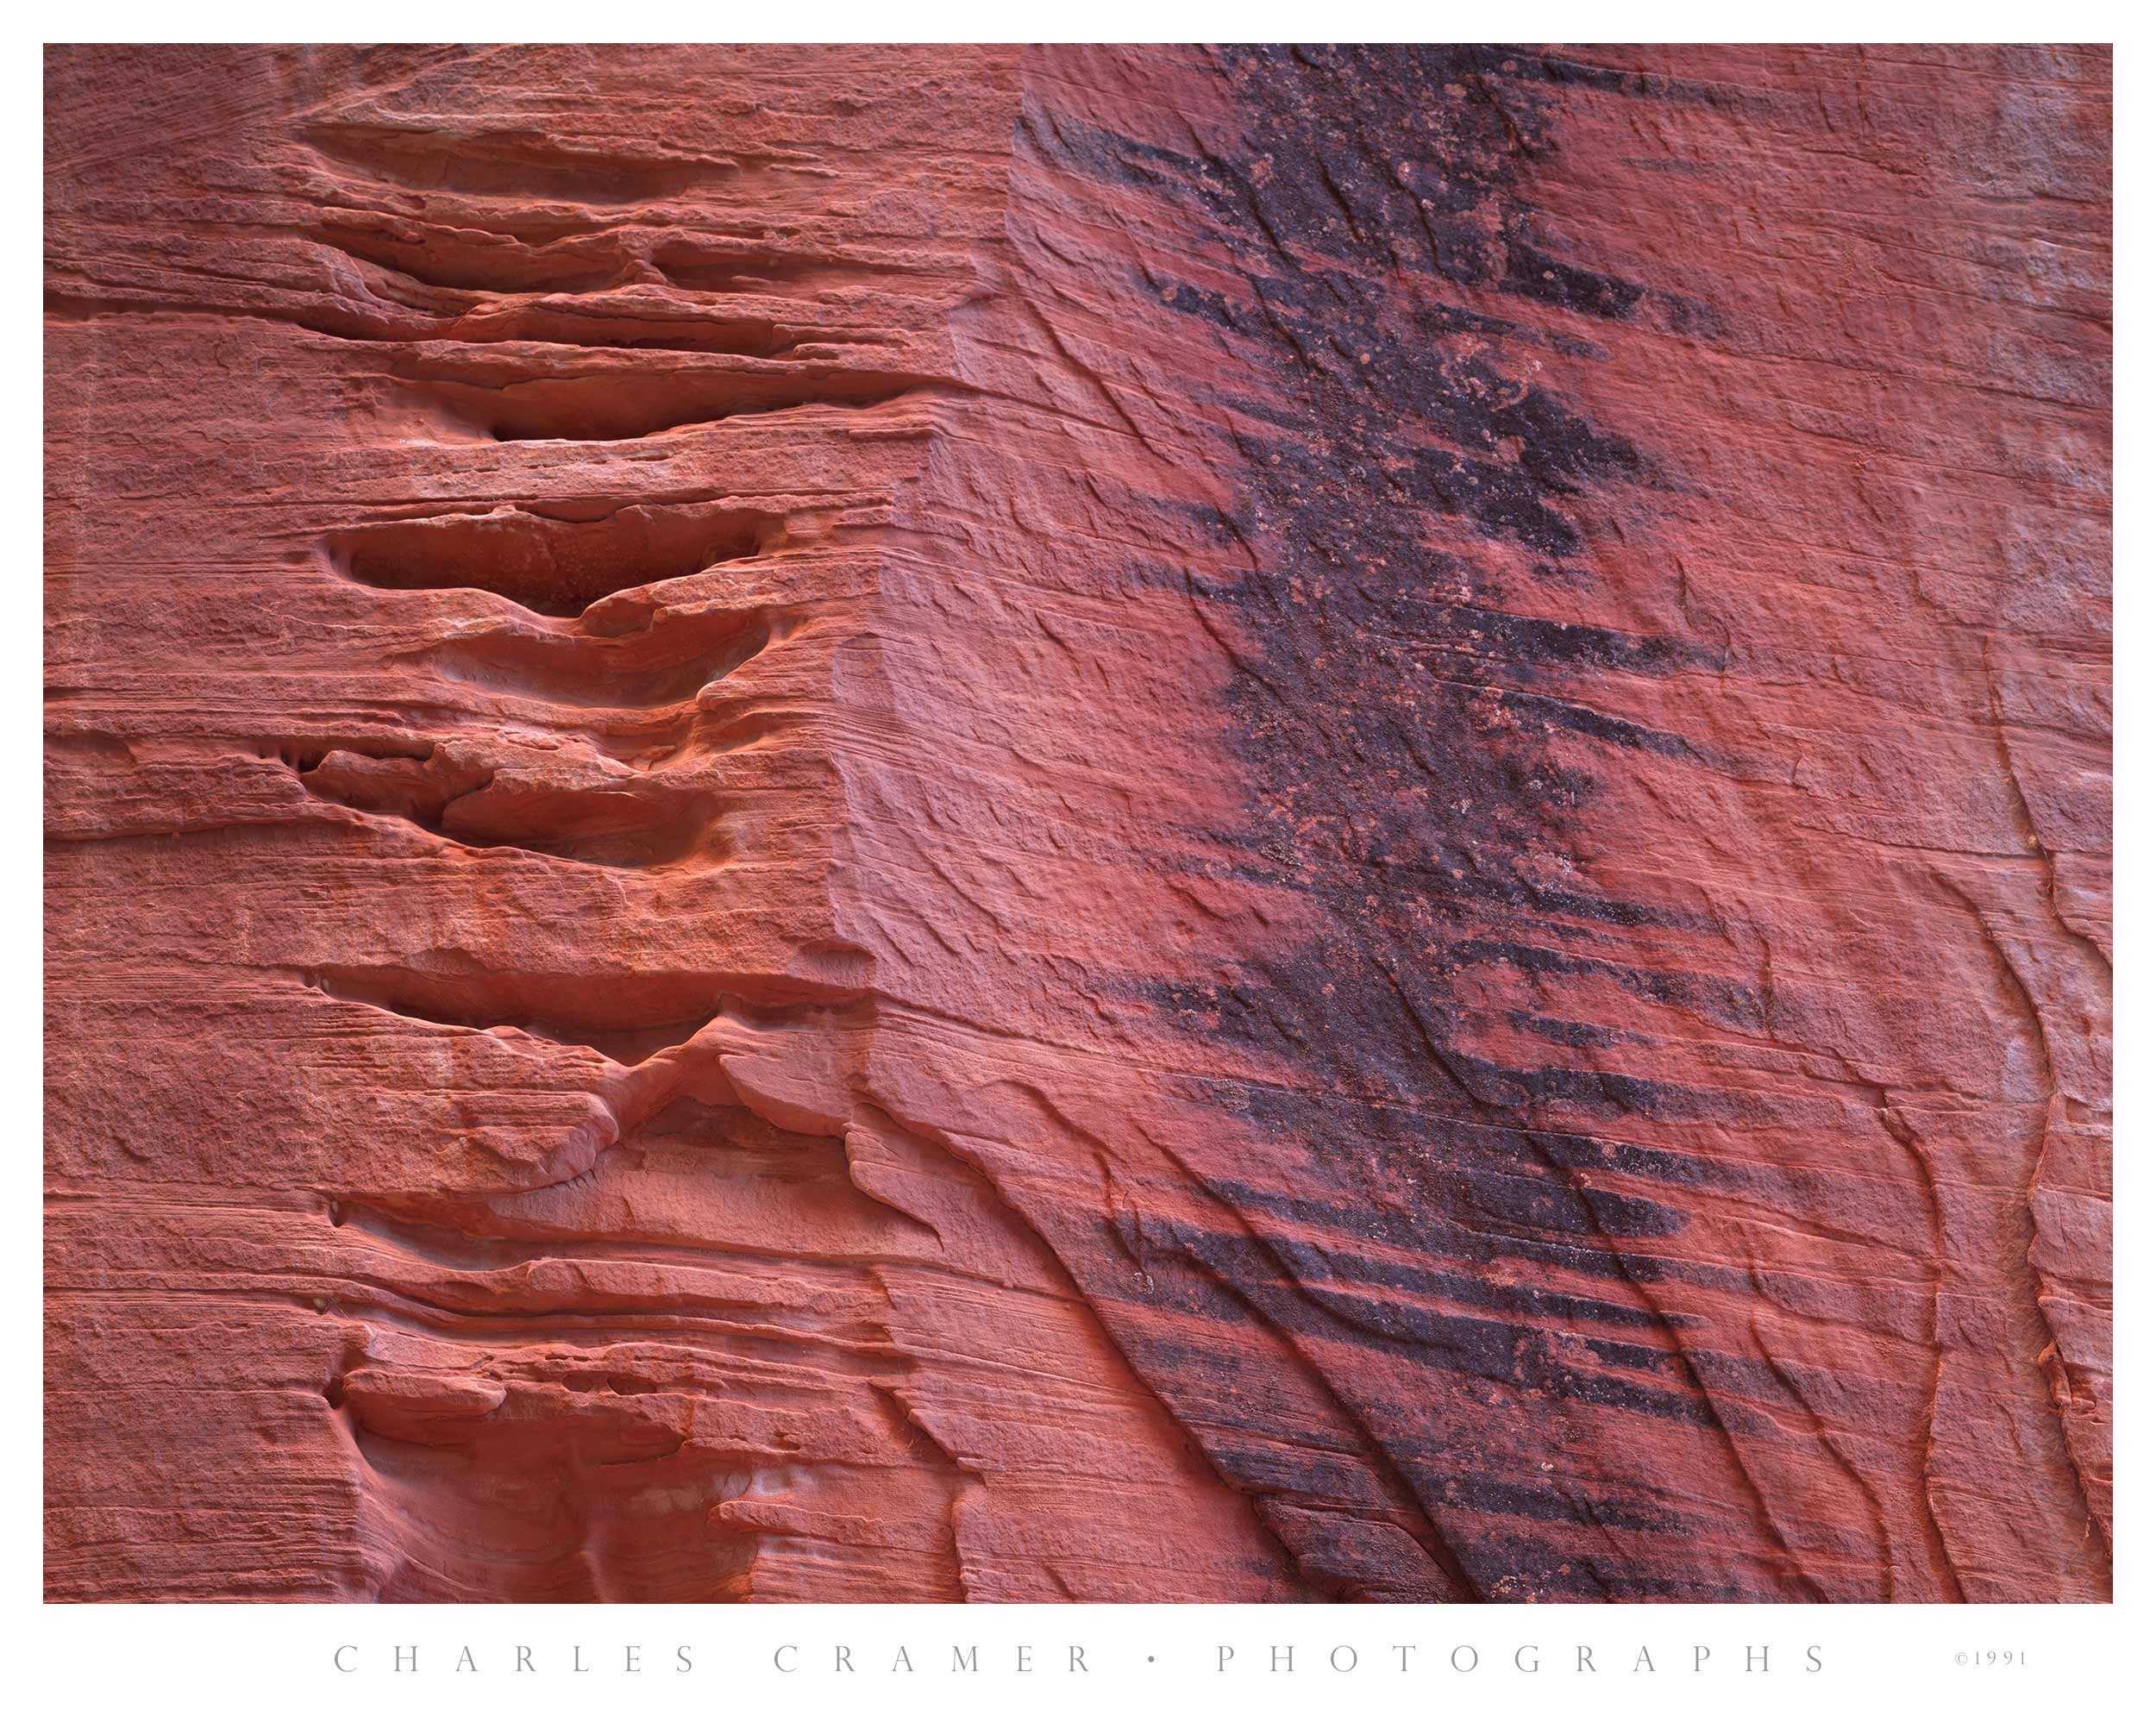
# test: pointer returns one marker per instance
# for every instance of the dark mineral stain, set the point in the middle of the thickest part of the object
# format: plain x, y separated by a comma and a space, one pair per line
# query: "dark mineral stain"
1416, 753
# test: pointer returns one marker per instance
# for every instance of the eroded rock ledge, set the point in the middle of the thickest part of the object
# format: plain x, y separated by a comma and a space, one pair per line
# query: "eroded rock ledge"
872, 823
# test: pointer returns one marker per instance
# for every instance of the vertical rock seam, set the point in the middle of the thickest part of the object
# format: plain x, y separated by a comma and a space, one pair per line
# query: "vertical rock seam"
903, 824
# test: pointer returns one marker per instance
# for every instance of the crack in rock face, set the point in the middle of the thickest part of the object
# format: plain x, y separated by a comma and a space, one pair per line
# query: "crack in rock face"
1078, 824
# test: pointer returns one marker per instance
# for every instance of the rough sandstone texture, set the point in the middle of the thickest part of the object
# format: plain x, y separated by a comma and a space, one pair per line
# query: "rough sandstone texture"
912, 823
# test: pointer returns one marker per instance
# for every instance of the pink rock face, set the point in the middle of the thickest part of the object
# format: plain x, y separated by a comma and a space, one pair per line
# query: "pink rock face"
902, 824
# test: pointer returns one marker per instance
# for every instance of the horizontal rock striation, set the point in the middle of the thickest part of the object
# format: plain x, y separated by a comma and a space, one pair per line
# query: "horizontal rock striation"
873, 824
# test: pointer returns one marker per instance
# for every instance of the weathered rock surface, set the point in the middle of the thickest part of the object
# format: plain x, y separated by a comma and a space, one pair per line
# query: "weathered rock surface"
914, 824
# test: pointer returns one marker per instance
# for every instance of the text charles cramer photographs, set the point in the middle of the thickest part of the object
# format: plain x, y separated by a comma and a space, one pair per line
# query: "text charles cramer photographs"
1261, 1658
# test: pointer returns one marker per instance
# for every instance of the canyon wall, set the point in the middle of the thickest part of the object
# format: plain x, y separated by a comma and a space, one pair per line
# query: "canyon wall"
871, 824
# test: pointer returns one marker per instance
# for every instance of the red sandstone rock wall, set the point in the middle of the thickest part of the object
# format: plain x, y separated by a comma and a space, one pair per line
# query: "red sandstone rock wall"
915, 824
